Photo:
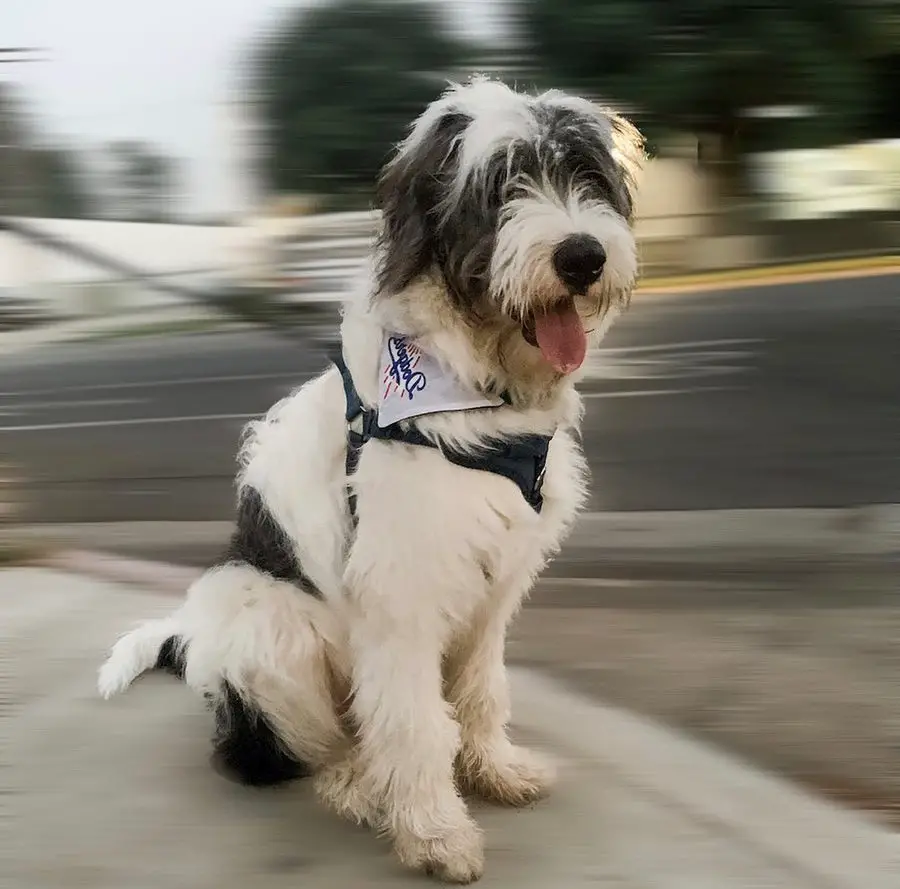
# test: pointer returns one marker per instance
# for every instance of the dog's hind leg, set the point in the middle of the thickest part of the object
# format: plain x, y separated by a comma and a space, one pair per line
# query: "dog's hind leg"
138, 651
263, 652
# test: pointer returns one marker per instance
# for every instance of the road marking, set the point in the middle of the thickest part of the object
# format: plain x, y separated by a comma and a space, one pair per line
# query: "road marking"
652, 393
154, 384
205, 418
685, 360
24, 407
710, 364
593, 582
687, 344
134, 421
302, 377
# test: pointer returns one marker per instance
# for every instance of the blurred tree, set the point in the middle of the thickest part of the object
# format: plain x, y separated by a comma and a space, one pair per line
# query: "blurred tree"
143, 182
62, 190
884, 119
884, 41
16, 144
35, 179
771, 73
337, 86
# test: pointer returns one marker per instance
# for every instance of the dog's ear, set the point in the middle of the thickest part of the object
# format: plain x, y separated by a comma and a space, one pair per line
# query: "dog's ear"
629, 153
410, 192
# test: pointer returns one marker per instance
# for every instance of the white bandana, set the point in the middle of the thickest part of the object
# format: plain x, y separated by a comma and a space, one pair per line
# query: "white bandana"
413, 383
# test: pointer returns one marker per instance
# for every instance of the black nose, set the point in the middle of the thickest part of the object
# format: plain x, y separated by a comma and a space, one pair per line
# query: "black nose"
579, 261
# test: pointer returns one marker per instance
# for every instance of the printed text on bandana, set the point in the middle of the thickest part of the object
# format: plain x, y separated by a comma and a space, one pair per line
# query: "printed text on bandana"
404, 357
413, 383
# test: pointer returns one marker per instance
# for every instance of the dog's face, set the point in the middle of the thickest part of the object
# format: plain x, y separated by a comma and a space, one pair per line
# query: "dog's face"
523, 205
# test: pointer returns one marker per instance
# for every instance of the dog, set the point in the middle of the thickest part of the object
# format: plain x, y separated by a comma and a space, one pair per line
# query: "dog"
394, 511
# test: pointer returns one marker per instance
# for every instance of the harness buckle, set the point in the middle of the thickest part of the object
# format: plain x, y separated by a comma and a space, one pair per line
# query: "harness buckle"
369, 422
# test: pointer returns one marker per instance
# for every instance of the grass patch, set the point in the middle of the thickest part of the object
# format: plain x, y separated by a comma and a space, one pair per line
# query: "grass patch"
14, 553
159, 328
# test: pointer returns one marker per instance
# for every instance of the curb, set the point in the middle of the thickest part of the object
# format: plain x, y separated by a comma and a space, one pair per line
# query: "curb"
831, 846
159, 577
730, 539
734, 279
102, 535
738, 537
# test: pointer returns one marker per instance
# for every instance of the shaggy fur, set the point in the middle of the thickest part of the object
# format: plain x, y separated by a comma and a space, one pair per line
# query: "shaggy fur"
373, 656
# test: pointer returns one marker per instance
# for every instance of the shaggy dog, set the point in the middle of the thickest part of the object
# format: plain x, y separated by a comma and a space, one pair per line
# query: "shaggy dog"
394, 511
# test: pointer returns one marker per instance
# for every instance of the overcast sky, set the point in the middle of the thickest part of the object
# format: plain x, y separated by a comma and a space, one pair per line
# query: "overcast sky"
157, 70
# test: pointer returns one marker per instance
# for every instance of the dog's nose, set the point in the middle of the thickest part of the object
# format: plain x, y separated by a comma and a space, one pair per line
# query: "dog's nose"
579, 261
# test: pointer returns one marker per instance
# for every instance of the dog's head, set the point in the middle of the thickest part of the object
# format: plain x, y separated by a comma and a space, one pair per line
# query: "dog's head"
522, 207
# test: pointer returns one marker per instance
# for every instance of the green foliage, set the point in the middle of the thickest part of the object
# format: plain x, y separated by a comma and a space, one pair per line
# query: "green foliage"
61, 189
884, 120
37, 178
338, 85
700, 65
143, 181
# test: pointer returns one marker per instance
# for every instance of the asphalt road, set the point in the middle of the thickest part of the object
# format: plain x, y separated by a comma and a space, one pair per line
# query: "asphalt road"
785, 395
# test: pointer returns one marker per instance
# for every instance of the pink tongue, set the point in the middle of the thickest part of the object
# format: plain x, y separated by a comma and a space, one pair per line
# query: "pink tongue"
561, 338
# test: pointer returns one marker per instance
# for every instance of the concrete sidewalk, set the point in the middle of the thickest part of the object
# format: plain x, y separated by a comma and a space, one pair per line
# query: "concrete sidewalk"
120, 794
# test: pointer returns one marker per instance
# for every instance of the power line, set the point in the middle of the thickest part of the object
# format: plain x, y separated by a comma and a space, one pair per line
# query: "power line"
9, 54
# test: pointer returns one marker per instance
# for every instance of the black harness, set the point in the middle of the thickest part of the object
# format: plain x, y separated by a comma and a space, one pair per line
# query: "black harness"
521, 458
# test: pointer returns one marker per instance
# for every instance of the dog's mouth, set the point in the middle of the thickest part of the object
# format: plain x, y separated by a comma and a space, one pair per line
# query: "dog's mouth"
560, 335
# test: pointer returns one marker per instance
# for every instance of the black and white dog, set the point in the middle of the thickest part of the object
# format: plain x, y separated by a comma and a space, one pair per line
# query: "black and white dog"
394, 511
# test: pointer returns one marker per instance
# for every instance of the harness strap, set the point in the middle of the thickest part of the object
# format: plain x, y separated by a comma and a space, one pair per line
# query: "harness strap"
522, 458
355, 440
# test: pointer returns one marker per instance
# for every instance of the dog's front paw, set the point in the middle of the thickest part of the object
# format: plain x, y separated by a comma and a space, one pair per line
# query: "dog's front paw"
111, 680
121, 668
453, 855
512, 776
338, 787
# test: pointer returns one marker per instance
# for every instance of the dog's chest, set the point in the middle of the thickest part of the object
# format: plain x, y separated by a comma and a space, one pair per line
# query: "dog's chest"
521, 540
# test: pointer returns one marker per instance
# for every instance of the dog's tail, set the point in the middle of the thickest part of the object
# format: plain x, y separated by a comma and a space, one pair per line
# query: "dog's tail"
154, 644
246, 745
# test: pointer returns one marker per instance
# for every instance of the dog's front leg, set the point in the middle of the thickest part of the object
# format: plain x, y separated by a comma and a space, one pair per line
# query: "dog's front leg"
489, 764
408, 738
